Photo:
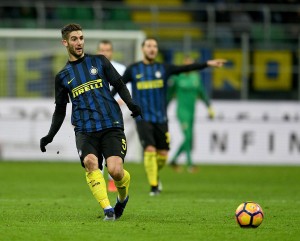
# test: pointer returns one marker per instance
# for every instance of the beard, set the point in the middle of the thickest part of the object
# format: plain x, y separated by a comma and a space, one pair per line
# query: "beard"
73, 52
150, 57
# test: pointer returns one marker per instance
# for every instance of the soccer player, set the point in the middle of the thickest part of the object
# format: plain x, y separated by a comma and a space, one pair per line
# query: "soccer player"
105, 48
149, 89
186, 88
96, 117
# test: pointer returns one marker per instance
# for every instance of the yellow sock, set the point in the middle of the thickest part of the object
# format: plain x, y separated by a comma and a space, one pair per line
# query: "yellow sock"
161, 161
151, 167
97, 185
123, 186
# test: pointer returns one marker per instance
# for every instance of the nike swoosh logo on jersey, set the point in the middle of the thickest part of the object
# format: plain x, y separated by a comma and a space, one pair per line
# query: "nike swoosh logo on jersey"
69, 82
139, 76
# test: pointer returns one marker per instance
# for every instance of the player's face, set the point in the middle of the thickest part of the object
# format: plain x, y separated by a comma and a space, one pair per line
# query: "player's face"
74, 45
150, 50
106, 50
188, 60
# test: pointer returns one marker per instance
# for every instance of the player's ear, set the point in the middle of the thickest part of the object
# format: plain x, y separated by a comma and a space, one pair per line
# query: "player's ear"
64, 42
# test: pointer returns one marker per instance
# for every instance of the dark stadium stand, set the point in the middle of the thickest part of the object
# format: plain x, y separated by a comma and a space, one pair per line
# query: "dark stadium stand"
170, 19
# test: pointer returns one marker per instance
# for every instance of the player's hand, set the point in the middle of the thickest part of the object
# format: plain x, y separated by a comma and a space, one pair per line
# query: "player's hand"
216, 62
44, 142
211, 112
135, 110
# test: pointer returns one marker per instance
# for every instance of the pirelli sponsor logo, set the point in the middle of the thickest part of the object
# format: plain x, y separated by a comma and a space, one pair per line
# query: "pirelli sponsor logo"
150, 84
91, 85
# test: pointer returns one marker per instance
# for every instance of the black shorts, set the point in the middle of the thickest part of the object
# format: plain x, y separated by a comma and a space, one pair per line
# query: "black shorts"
105, 143
154, 134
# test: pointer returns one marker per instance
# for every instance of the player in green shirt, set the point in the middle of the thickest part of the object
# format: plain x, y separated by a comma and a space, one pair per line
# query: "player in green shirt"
187, 88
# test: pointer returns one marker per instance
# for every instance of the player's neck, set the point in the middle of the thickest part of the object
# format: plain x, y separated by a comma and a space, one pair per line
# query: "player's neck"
73, 58
148, 61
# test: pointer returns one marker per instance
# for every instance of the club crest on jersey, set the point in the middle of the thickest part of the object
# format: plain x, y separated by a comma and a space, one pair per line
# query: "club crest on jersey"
157, 74
93, 71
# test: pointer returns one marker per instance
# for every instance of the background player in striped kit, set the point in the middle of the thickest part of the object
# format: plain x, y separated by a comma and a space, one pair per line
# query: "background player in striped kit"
96, 117
149, 89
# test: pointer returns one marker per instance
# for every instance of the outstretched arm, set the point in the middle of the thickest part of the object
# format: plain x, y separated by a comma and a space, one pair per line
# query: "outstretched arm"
57, 120
177, 69
216, 62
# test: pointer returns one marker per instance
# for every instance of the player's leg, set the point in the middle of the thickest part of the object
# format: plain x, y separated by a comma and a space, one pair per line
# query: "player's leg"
94, 177
189, 136
115, 148
173, 162
97, 185
162, 157
111, 187
146, 135
162, 137
150, 164
179, 150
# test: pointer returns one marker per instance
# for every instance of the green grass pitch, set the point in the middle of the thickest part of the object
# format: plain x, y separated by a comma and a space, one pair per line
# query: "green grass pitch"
51, 202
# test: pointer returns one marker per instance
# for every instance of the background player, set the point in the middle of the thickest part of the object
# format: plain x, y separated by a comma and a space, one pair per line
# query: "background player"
149, 89
187, 88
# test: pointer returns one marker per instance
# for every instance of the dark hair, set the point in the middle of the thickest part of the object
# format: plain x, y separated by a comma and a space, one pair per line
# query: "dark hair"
148, 38
67, 29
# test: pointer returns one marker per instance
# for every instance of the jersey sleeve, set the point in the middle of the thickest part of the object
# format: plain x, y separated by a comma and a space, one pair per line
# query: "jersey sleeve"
127, 75
177, 69
109, 70
61, 93
204, 96
126, 78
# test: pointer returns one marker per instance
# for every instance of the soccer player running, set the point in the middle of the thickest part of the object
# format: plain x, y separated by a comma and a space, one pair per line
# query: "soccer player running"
105, 48
96, 117
149, 90
187, 88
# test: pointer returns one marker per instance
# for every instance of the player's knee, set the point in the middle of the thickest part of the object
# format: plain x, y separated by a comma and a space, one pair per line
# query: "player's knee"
90, 162
163, 153
115, 168
117, 174
150, 149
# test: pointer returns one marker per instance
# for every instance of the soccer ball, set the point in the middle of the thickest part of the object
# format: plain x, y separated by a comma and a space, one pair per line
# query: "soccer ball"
249, 215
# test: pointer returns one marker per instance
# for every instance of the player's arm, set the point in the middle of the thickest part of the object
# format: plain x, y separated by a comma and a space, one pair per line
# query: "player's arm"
118, 85
176, 69
57, 120
203, 94
61, 100
205, 98
124, 93
125, 79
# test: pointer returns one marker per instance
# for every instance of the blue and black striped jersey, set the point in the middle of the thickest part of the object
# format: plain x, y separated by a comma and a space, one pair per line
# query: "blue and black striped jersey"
86, 83
149, 87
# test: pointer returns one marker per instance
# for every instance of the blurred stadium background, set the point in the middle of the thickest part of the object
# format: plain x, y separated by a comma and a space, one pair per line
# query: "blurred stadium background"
256, 96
